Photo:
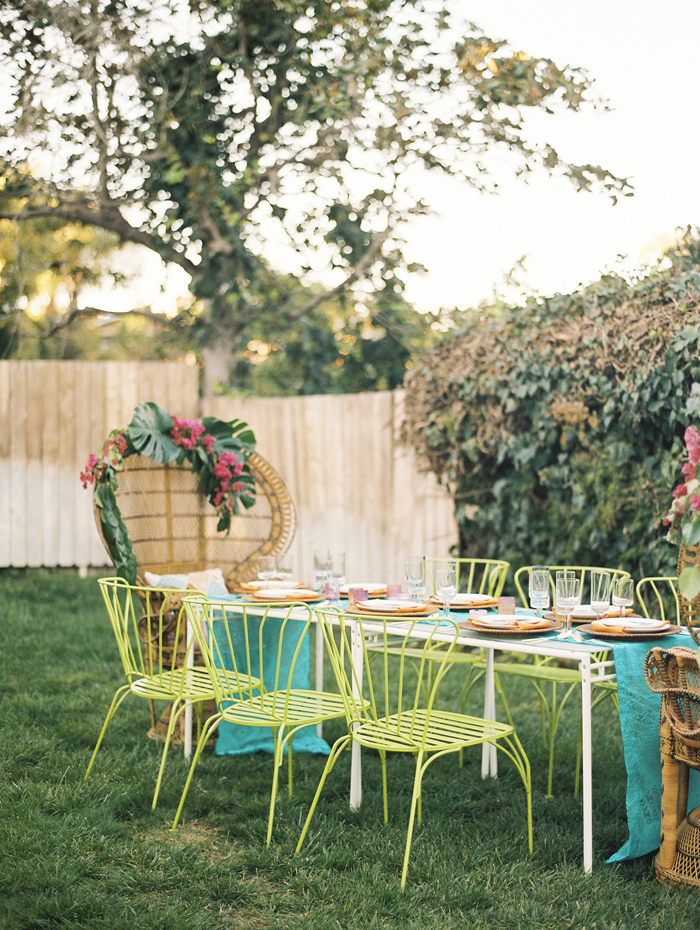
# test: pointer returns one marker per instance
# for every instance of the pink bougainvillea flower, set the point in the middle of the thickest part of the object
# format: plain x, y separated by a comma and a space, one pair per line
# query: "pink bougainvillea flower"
681, 491
692, 441
694, 502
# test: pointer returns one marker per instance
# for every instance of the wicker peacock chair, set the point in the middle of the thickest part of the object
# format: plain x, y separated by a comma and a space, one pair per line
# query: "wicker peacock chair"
172, 525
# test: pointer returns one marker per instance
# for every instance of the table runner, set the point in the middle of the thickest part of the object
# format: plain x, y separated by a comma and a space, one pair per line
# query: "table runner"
639, 722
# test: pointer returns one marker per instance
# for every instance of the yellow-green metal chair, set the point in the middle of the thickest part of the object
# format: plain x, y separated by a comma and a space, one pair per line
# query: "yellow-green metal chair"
397, 719
543, 671
258, 689
474, 576
149, 625
657, 595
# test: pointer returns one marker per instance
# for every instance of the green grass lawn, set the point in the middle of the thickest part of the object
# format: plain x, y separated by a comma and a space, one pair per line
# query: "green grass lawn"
77, 854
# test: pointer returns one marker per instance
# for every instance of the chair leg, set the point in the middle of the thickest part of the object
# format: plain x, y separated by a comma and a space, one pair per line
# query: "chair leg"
211, 725
382, 758
336, 750
412, 816
175, 711
119, 696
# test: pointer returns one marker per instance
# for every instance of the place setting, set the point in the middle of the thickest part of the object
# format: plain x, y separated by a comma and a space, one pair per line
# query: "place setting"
276, 583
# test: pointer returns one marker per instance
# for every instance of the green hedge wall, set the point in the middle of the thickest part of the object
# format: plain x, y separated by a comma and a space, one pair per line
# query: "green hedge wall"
558, 426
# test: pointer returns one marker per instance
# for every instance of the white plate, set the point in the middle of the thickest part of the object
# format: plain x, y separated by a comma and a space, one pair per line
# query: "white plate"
386, 604
502, 620
472, 599
634, 623
286, 593
584, 612
371, 587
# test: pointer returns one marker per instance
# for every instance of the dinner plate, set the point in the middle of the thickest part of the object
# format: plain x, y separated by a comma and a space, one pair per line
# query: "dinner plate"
373, 588
467, 601
392, 605
641, 635
287, 594
508, 630
374, 609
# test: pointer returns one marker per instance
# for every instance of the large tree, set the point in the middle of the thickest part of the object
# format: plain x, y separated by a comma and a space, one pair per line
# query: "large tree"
220, 133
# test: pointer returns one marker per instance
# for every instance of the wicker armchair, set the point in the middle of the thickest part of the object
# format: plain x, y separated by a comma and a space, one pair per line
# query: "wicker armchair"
172, 526
675, 675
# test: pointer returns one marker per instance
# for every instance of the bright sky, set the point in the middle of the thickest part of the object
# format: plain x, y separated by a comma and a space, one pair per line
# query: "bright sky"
643, 56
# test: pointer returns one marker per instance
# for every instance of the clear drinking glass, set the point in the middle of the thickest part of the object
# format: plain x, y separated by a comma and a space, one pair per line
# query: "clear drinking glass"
538, 590
568, 594
338, 567
284, 572
600, 591
446, 585
623, 594
322, 568
414, 573
267, 565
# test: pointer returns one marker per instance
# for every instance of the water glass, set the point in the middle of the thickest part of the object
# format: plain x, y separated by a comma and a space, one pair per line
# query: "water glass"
284, 572
267, 565
446, 585
622, 594
538, 591
338, 567
568, 594
322, 568
600, 591
414, 573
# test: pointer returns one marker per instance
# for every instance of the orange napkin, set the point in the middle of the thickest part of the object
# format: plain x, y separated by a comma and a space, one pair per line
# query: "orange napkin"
615, 612
626, 628
524, 624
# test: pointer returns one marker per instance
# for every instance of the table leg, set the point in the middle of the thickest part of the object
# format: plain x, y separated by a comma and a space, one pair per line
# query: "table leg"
356, 758
489, 763
587, 786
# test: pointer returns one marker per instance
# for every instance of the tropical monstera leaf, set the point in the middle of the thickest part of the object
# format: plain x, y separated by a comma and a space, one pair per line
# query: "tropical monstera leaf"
147, 432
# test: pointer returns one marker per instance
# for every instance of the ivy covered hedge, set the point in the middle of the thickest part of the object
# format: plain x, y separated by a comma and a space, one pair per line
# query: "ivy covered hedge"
558, 426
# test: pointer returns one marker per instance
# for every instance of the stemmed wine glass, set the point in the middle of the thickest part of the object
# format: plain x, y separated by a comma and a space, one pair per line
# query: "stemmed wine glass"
414, 572
322, 568
267, 566
600, 591
446, 585
622, 594
568, 594
284, 570
539, 588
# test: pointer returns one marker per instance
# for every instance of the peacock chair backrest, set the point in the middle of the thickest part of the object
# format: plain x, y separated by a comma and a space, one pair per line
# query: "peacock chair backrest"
172, 526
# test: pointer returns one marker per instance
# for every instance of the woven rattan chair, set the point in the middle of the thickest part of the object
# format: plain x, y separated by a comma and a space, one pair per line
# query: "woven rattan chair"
675, 675
172, 526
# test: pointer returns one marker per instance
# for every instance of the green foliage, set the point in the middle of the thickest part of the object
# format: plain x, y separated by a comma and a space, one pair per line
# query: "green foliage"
234, 125
558, 425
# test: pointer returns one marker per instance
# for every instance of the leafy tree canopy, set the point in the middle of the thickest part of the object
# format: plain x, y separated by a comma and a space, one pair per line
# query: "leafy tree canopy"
558, 425
218, 132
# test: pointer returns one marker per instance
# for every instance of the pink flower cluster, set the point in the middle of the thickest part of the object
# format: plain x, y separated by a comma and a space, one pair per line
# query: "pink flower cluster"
112, 454
227, 467
185, 433
686, 499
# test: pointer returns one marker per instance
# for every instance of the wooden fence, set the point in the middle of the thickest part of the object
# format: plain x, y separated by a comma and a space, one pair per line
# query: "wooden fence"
354, 487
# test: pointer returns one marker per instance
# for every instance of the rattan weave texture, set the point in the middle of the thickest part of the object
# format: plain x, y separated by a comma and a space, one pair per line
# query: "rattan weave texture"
674, 673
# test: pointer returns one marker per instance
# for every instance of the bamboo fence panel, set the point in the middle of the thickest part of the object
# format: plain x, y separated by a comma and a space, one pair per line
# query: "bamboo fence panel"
354, 487
52, 415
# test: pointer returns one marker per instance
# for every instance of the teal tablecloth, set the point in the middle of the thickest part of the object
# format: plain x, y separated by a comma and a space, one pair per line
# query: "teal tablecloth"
234, 739
639, 722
